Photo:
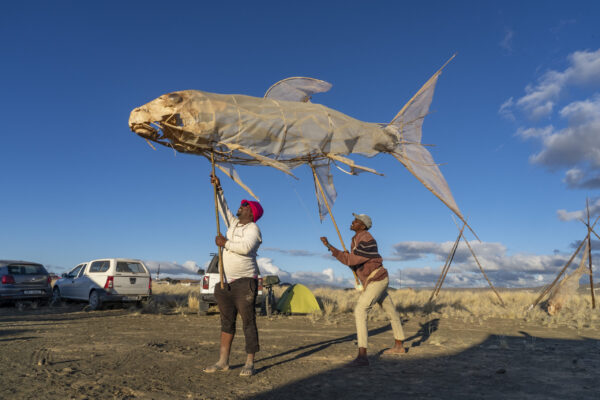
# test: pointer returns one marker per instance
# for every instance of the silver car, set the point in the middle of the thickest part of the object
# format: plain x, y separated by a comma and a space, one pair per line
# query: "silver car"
111, 280
23, 281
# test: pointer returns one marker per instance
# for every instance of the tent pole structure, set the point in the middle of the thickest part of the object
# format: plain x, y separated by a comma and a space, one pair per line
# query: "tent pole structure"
562, 271
331, 215
212, 161
587, 205
435, 288
480, 267
440, 281
450, 261
482, 271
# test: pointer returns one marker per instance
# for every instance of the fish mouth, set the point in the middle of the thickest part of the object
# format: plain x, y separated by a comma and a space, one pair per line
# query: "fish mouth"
144, 130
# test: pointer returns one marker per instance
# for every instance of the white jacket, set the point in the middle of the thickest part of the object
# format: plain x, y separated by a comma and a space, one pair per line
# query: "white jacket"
243, 241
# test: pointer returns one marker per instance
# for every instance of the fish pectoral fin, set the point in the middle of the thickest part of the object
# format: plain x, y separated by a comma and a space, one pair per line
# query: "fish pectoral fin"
297, 89
232, 173
351, 164
261, 159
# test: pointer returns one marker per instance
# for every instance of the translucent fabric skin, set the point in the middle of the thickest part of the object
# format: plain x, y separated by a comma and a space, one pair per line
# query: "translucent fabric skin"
278, 129
562, 293
284, 130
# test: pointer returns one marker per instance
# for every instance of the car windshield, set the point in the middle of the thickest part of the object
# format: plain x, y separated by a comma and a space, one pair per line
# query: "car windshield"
130, 267
26, 269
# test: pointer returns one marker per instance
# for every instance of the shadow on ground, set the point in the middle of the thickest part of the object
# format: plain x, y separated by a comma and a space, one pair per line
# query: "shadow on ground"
500, 367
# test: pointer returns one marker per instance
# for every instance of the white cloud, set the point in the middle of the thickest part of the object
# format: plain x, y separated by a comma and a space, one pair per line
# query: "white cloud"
565, 215
517, 270
576, 147
540, 99
266, 267
572, 143
316, 278
172, 268
295, 252
528, 133
506, 42
506, 109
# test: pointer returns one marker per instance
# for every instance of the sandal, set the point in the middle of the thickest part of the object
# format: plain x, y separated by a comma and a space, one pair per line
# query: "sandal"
216, 367
247, 370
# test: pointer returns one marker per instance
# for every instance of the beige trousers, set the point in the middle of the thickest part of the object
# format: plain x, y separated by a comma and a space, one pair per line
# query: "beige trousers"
376, 292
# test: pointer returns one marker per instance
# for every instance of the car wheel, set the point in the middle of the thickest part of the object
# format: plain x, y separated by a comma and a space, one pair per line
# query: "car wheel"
95, 302
55, 301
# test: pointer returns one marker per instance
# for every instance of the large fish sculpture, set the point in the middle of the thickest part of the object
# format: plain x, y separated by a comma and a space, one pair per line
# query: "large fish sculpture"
284, 130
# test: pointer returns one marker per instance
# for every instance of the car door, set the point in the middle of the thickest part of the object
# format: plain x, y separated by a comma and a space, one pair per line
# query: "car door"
66, 286
80, 285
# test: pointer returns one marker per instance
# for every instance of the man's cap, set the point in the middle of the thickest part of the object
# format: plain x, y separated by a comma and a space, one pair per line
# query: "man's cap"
257, 210
365, 219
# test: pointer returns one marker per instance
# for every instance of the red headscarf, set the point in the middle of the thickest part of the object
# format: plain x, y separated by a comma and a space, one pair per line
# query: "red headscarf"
257, 210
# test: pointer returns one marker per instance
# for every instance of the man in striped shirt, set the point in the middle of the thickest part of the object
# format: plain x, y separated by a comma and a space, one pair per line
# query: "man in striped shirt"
365, 260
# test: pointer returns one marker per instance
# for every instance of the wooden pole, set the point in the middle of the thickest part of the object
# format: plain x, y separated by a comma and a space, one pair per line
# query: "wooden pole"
450, 261
212, 161
587, 205
482, 271
331, 215
442, 277
479, 265
562, 271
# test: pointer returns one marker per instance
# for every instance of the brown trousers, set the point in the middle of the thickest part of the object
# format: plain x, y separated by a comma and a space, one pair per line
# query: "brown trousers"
236, 297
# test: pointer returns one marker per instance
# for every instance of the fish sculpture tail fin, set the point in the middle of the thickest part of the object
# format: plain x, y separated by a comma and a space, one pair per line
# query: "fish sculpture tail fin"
407, 128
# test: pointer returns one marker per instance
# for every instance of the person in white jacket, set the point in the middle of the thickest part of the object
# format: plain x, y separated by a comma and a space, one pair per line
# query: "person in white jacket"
240, 270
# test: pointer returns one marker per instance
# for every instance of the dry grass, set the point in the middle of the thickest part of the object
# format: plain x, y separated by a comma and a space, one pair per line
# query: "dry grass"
471, 306
178, 299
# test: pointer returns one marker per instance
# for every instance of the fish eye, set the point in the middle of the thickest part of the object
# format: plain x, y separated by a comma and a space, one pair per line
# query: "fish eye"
174, 98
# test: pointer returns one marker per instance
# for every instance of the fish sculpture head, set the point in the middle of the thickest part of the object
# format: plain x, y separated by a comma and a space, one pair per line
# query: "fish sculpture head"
176, 119
160, 110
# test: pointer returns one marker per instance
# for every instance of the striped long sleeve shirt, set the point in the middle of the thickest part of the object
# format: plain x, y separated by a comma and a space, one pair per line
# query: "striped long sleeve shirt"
364, 258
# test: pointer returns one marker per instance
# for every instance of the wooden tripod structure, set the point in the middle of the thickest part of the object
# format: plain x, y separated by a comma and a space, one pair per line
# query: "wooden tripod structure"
586, 241
440, 281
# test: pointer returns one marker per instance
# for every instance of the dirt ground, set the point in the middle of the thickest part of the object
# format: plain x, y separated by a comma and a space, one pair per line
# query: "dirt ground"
70, 353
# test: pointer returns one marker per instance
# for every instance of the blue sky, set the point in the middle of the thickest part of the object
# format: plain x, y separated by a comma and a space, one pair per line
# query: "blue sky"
515, 123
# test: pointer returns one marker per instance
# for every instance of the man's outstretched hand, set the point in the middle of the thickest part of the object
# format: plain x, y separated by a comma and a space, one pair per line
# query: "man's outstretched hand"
325, 241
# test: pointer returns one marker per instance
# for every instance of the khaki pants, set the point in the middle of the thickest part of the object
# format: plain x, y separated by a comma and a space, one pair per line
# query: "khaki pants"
376, 292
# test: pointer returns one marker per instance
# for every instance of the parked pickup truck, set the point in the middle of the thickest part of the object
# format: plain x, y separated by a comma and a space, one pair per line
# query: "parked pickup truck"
210, 280
103, 281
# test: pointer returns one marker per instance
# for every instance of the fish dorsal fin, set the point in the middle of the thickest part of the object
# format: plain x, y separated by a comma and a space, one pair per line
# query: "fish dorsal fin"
297, 89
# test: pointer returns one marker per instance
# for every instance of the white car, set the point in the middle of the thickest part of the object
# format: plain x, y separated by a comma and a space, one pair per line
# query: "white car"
108, 280
210, 280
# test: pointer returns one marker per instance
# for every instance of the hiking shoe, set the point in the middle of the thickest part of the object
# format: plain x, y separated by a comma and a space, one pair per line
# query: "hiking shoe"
358, 362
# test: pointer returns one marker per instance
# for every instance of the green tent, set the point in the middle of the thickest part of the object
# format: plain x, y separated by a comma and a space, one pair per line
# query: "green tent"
298, 299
